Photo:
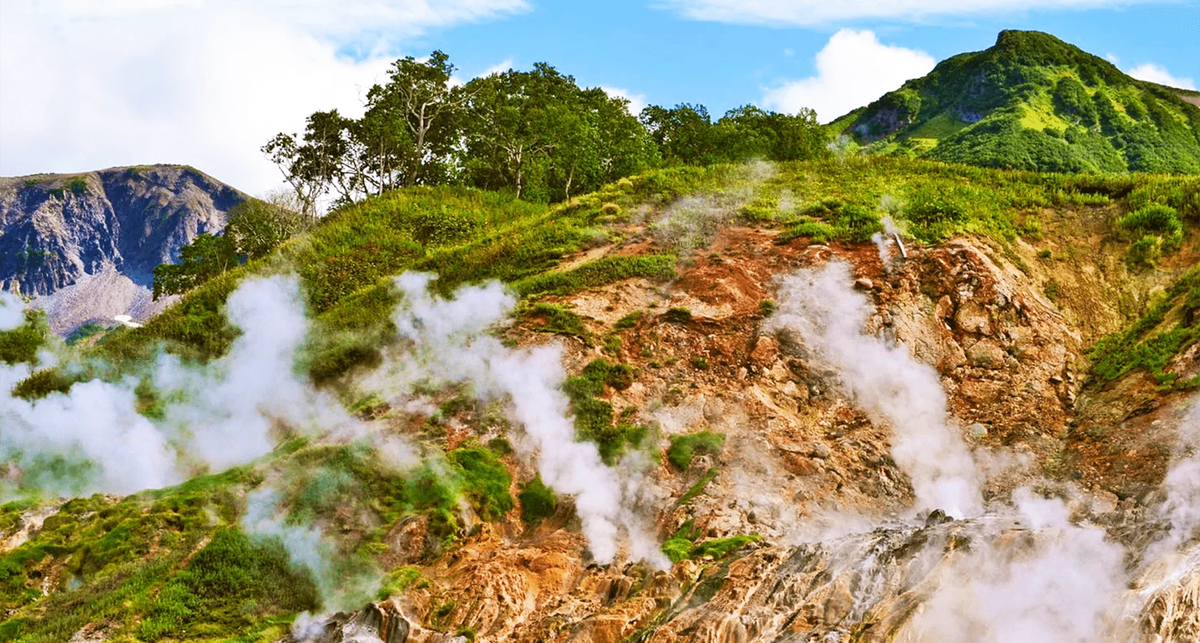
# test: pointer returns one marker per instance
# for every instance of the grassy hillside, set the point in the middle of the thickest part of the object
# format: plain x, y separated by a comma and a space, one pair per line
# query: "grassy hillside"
176, 564
1034, 102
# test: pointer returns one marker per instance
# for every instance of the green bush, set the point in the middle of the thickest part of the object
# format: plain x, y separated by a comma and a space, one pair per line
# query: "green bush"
552, 318
1157, 219
538, 501
485, 481
22, 343
684, 447
232, 582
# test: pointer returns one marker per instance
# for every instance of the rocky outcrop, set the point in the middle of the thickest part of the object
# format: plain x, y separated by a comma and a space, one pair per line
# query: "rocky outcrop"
56, 230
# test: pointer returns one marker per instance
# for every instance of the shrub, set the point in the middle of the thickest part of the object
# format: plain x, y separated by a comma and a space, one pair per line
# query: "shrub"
684, 447
678, 316
552, 318
21, 344
1157, 219
485, 481
538, 501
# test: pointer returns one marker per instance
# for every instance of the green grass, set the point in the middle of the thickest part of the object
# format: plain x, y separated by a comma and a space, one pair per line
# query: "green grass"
538, 501
684, 447
485, 481
552, 318
22, 343
598, 273
594, 417
1153, 340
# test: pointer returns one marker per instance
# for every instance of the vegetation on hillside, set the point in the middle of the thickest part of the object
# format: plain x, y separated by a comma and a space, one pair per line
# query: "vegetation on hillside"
1033, 102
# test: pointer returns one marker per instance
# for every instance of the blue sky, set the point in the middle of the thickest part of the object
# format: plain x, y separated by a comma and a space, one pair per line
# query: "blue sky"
668, 58
86, 85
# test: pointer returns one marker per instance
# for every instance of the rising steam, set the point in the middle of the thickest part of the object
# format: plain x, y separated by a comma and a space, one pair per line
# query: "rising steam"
449, 343
93, 438
821, 306
12, 311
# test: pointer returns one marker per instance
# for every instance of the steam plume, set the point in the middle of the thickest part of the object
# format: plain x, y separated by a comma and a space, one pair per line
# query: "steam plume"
12, 311
822, 307
449, 343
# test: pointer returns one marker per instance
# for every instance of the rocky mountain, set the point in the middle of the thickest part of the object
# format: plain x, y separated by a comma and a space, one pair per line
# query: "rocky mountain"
86, 244
868, 399
1034, 102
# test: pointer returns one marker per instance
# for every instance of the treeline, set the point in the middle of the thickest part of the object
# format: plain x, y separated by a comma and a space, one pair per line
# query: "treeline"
536, 134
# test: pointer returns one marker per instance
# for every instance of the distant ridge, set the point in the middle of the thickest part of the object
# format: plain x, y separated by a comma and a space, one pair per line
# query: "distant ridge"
1034, 102
100, 234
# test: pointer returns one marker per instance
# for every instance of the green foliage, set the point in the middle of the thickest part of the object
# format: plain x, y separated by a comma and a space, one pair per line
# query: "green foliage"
686, 135
22, 343
598, 273
538, 501
700, 363
1157, 230
229, 584
42, 383
698, 488
485, 481
594, 418
628, 321
1152, 341
682, 545
204, 258
552, 318
398, 580
77, 186
684, 447
677, 316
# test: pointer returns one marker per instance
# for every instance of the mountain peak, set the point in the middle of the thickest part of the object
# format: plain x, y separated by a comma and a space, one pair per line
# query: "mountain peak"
1034, 102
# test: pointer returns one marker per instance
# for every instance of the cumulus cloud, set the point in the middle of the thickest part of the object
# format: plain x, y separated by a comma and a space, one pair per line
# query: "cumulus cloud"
90, 85
1159, 74
853, 69
820, 12
637, 102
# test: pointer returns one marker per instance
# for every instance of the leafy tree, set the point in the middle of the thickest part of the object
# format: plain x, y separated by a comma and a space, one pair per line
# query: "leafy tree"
410, 127
204, 258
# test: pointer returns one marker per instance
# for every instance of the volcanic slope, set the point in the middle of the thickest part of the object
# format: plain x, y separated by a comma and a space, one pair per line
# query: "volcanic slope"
735, 477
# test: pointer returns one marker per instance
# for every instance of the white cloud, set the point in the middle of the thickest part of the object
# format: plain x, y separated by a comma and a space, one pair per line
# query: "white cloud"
637, 102
1159, 74
820, 12
88, 85
853, 69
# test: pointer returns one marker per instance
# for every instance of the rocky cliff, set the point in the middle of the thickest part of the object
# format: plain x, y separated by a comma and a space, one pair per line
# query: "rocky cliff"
110, 227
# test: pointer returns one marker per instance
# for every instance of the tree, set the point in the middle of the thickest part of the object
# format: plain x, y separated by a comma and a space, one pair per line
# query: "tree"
256, 227
204, 258
318, 162
411, 123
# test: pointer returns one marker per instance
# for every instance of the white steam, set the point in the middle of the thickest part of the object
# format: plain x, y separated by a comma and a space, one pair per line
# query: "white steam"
96, 422
1182, 484
1048, 582
230, 407
887, 383
12, 311
884, 240
92, 438
450, 344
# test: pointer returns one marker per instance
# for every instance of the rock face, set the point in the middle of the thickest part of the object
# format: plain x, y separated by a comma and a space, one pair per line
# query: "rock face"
57, 230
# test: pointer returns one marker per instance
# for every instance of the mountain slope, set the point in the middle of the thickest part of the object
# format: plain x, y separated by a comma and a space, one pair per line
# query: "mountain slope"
671, 295
1034, 102
111, 227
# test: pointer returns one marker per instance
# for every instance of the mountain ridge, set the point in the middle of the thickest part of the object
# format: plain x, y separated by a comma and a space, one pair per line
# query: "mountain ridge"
1033, 102
58, 229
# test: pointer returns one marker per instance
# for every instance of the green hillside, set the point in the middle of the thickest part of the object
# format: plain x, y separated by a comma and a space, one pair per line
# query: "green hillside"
1034, 102
177, 563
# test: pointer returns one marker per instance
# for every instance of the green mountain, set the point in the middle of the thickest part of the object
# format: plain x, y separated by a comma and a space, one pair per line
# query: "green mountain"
1034, 102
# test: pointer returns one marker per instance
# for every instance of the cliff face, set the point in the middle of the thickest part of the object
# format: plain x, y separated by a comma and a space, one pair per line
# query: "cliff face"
58, 229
